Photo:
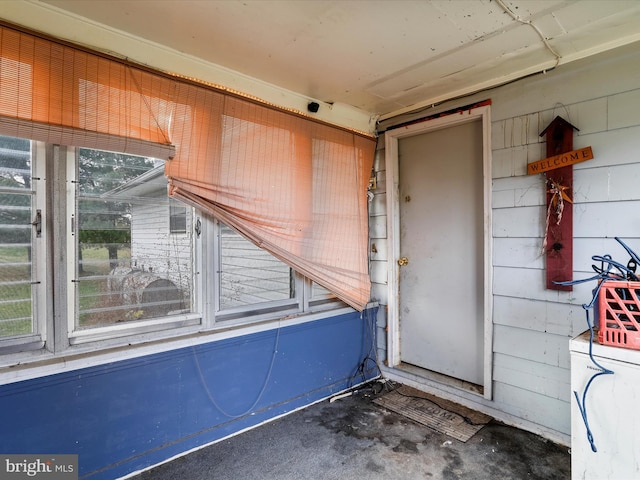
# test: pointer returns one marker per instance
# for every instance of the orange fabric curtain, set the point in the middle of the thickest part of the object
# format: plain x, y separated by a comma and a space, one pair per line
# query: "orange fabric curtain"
64, 95
293, 186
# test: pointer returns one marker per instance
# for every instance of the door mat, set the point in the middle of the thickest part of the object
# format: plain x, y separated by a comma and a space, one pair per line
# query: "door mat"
444, 416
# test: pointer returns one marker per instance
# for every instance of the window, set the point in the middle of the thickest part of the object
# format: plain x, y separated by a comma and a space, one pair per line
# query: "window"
253, 284
177, 217
128, 267
250, 278
20, 226
134, 264
267, 159
121, 272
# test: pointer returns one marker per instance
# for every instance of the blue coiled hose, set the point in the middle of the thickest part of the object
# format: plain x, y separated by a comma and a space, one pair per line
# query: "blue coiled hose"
603, 272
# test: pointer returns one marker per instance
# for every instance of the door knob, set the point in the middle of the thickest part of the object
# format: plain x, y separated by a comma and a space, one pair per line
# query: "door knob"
403, 261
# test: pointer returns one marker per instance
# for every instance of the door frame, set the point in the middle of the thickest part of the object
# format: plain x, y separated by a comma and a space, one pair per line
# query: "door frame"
393, 229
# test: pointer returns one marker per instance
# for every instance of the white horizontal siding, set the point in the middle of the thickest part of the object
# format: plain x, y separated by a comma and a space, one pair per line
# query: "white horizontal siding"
533, 325
540, 347
156, 250
518, 192
623, 109
533, 407
554, 318
603, 219
378, 247
522, 252
530, 284
519, 222
532, 376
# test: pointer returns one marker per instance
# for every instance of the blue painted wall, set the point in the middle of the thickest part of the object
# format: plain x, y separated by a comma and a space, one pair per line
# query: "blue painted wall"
125, 416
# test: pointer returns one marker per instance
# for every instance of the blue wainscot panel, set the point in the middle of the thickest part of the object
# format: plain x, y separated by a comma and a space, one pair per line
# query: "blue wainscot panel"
125, 416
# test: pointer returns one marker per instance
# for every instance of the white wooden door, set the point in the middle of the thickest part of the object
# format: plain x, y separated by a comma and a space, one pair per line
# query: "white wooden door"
441, 236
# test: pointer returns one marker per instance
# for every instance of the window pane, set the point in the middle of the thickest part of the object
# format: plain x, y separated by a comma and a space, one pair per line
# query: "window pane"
129, 266
16, 274
322, 298
177, 217
318, 292
250, 275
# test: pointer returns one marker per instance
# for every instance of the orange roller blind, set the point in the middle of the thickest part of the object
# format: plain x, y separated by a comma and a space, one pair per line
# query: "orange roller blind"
293, 186
63, 95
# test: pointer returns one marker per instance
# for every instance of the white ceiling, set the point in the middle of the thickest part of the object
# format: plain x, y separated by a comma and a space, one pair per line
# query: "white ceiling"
381, 56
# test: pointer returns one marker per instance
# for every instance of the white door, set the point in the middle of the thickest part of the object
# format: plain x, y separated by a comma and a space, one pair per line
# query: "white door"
441, 306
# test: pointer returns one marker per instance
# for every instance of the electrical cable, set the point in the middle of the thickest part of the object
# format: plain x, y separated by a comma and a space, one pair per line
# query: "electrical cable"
361, 370
371, 355
603, 272
582, 406
373, 348
262, 390
631, 253
625, 272
538, 31
380, 123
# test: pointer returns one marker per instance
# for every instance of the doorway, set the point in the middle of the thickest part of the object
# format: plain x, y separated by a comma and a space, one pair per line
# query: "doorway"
438, 202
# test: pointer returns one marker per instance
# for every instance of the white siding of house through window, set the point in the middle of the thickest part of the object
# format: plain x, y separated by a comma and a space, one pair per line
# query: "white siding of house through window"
154, 249
533, 325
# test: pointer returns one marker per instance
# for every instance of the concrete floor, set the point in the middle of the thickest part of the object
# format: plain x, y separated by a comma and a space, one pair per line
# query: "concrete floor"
353, 438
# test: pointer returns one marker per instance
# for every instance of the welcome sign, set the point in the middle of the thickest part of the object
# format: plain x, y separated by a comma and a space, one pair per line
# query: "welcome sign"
559, 161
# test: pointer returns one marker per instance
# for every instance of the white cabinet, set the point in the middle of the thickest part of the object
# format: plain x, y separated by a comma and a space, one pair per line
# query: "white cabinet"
613, 412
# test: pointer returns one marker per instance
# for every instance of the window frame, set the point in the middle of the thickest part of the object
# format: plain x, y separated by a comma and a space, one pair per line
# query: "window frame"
300, 304
173, 206
55, 169
246, 313
35, 340
116, 330
324, 301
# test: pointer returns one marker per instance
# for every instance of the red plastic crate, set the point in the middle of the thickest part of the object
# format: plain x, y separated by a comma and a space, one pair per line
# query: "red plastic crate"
619, 314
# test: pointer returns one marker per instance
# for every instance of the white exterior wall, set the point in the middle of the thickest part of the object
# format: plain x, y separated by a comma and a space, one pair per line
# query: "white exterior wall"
533, 325
154, 249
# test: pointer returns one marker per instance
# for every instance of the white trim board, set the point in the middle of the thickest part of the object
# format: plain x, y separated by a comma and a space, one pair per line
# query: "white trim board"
393, 228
